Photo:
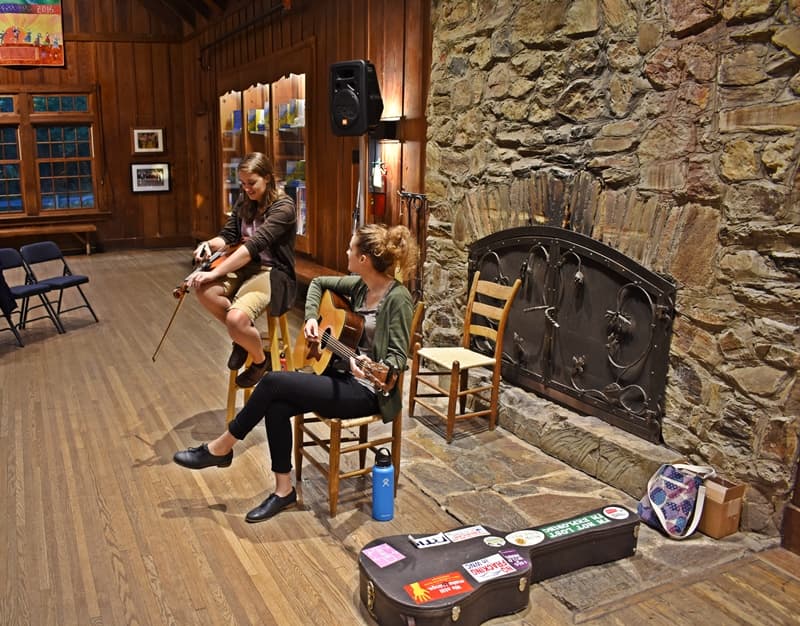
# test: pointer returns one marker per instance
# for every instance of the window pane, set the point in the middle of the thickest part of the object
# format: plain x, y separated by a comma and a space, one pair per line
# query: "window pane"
53, 103
10, 195
6, 104
65, 172
39, 104
81, 103
8, 143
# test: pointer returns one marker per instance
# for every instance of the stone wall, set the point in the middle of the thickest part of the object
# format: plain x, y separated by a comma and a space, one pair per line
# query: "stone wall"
668, 129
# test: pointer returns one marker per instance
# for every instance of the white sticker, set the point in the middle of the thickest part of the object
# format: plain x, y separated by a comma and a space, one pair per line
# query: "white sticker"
525, 537
462, 534
616, 512
494, 542
438, 539
492, 566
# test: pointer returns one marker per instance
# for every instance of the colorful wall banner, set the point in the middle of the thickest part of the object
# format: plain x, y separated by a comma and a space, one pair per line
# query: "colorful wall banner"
31, 33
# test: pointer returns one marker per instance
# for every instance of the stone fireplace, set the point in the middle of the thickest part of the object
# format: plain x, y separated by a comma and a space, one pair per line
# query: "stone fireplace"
589, 328
669, 131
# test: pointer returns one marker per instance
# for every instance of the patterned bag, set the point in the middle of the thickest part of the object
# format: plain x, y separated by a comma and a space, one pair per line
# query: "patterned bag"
674, 500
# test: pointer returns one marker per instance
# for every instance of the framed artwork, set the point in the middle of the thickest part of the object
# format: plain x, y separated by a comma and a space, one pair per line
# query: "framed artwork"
31, 33
147, 140
150, 177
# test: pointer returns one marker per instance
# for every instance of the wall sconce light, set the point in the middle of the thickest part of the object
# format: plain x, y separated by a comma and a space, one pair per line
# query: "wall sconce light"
388, 130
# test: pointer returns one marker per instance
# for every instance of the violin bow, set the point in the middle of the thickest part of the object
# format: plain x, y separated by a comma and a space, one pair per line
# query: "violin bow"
180, 293
181, 290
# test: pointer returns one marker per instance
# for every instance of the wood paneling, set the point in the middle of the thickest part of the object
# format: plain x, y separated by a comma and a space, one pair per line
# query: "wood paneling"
391, 34
147, 70
133, 59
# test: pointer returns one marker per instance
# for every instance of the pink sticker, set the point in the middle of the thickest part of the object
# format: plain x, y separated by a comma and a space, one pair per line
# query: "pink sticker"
383, 554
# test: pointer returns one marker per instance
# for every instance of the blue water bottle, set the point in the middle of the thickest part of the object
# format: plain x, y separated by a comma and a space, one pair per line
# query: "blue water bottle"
383, 486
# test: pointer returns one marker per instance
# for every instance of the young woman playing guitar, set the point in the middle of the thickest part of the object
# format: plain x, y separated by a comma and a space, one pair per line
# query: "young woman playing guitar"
344, 389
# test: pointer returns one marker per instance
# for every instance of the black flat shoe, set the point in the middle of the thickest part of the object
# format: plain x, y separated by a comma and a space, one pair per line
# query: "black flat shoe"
200, 457
253, 373
271, 507
237, 358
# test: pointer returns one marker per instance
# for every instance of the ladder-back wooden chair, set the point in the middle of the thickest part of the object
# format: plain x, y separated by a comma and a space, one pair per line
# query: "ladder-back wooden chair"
340, 438
486, 316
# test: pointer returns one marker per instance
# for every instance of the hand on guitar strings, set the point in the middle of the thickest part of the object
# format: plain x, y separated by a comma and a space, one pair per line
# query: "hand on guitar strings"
365, 362
311, 330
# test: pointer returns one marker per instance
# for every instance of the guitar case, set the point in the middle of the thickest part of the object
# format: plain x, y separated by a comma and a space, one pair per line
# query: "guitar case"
471, 574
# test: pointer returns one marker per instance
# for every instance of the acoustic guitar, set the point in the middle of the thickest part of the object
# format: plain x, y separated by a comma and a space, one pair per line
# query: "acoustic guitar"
340, 330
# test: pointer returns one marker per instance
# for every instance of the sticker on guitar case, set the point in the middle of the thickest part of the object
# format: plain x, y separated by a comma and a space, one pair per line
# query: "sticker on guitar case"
574, 525
494, 542
515, 558
525, 537
493, 566
616, 512
437, 587
383, 555
462, 534
430, 541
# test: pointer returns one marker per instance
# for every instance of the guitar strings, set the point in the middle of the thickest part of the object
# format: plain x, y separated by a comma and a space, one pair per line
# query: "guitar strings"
345, 351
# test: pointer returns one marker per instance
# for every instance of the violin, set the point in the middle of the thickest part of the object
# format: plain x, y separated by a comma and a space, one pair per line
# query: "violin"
181, 290
206, 265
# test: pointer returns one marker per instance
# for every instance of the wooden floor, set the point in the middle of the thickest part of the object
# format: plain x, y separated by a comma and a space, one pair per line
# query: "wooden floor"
100, 527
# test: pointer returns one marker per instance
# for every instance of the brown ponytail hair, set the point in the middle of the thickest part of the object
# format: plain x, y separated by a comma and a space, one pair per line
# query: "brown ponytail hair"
391, 248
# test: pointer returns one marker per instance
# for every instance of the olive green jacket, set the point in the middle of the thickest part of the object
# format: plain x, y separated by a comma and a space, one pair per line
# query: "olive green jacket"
392, 326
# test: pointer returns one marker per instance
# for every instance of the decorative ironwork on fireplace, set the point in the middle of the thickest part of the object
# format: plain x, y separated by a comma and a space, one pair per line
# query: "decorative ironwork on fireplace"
590, 328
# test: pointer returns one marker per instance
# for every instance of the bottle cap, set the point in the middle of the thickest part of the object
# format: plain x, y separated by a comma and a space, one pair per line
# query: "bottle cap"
383, 458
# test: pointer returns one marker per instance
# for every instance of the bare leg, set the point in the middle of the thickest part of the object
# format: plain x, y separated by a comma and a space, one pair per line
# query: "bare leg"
214, 300
222, 444
283, 484
243, 332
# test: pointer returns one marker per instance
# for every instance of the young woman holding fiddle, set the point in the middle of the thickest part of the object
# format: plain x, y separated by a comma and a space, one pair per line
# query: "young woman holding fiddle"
259, 273
375, 255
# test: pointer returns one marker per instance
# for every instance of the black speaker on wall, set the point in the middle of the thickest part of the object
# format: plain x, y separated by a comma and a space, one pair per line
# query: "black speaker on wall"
355, 98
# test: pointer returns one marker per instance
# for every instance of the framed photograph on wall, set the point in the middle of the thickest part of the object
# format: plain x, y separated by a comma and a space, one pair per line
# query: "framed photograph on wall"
147, 140
150, 177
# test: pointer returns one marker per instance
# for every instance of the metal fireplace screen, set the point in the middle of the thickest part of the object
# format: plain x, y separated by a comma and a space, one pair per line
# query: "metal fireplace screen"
590, 328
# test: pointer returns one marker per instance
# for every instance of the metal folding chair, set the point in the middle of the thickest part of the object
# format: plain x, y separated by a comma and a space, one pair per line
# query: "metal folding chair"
51, 269
11, 259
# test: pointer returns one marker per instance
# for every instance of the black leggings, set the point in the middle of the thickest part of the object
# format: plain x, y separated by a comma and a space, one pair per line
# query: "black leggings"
281, 395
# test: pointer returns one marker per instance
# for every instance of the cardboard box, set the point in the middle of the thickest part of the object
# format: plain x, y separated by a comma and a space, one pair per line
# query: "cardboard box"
722, 508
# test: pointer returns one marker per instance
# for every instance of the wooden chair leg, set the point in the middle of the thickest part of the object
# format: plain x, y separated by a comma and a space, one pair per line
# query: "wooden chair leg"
286, 342
363, 433
451, 402
397, 433
299, 437
463, 384
232, 389
274, 343
412, 386
494, 397
333, 465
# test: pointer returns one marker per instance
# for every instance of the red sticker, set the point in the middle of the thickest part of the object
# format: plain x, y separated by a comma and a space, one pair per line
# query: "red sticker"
437, 587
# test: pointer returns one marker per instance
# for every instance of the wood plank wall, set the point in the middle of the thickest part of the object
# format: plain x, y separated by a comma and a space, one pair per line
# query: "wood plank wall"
390, 33
145, 64
133, 59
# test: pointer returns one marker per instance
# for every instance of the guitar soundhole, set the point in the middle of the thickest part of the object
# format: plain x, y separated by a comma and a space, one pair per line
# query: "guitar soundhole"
323, 341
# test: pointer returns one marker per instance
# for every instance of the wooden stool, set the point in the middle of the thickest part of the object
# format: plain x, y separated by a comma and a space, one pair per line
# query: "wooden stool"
276, 341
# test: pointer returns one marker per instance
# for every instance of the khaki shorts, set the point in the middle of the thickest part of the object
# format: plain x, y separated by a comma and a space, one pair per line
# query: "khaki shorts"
251, 286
